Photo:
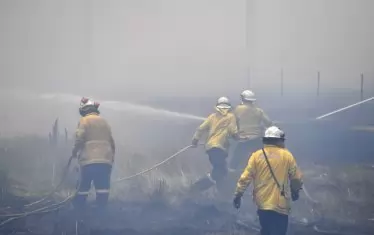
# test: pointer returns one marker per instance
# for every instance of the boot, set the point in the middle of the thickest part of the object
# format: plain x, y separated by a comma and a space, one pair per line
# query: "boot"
202, 184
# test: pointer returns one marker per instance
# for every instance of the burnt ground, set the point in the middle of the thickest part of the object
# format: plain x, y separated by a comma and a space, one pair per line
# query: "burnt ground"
167, 212
334, 158
142, 218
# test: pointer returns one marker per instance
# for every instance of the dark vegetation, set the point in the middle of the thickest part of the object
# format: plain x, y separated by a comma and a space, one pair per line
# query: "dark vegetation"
336, 161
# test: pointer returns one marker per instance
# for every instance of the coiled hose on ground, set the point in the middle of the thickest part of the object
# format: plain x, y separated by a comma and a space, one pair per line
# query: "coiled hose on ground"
47, 208
56, 206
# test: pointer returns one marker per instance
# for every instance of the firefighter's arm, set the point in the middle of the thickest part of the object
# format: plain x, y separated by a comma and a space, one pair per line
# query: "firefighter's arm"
79, 138
201, 130
236, 113
266, 120
111, 140
112, 144
233, 128
246, 178
295, 175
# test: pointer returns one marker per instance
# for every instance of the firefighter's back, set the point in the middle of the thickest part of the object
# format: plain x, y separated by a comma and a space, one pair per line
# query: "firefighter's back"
97, 141
267, 194
220, 130
97, 128
250, 119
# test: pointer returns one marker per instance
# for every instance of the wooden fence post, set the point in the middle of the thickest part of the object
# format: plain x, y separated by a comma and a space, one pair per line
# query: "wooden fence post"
318, 82
362, 86
282, 82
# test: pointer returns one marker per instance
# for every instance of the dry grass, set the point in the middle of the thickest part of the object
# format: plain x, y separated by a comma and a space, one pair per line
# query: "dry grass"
27, 161
344, 192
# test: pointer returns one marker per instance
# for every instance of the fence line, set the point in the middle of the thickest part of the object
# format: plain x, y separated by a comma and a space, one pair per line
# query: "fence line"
318, 84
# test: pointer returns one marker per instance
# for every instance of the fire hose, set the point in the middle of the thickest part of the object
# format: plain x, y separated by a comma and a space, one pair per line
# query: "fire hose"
64, 176
155, 166
60, 204
48, 208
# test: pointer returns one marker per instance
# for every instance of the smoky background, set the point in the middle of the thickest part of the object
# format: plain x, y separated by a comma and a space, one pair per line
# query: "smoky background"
139, 56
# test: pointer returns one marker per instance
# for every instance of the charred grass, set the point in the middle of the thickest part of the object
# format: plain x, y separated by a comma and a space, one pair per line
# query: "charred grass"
156, 203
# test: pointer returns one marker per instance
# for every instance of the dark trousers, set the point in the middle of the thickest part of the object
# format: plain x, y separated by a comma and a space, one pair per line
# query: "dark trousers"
242, 153
99, 174
272, 222
217, 158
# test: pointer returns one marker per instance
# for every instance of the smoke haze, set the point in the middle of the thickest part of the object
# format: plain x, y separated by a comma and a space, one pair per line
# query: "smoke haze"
184, 48
157, 68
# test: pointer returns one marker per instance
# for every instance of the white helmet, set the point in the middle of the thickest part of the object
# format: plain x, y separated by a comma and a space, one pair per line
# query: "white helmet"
88, 106
248, 95
274, 133
223, 103
86, 102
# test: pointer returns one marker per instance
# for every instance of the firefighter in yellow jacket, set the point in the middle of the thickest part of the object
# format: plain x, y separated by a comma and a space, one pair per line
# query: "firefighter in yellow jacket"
219, 126
252, 121
276, 179
95, 148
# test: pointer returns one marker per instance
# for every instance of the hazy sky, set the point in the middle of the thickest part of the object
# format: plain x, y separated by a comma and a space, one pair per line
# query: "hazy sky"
184, 47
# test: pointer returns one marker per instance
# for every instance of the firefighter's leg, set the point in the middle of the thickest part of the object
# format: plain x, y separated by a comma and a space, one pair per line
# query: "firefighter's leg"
248, 149
242, 153
80, 198
102, 184
254, 145
239, 154
265, 222
217, 158
204, 183
272, 222
280, 224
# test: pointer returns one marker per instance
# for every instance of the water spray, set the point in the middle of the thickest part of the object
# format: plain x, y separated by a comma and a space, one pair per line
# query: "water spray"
124, 106
344, 108
120, 106
146, 110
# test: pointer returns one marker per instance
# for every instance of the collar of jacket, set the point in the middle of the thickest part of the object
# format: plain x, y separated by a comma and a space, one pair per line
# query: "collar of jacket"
249, 104
91, 114
223, 112
273, 145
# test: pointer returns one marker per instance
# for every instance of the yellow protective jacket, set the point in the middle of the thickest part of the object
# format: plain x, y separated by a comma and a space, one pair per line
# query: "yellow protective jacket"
220, 127
94, 141
266, 193
251, 121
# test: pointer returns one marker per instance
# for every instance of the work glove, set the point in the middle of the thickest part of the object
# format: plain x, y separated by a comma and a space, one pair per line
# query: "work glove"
194, 143
296, 186
295, 195
74, 154
246, 138
237, 201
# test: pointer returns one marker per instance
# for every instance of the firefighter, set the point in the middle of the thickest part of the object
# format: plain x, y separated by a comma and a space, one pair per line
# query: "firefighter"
275, 175
252, 121
220, 126
95, 148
